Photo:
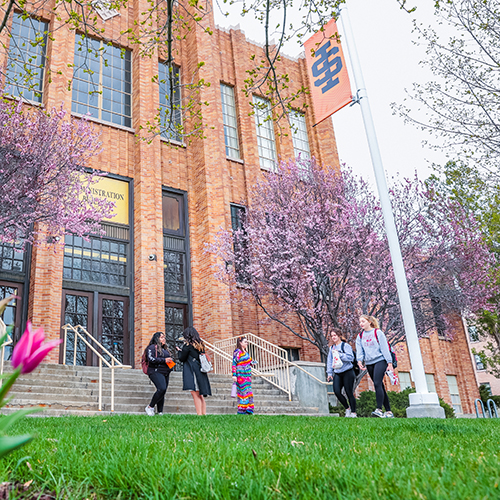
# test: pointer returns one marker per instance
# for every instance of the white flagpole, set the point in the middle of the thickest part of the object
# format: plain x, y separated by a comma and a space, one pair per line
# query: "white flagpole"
422, 403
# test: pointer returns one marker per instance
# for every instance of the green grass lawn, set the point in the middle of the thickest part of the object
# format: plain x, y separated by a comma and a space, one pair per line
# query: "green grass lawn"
259, 457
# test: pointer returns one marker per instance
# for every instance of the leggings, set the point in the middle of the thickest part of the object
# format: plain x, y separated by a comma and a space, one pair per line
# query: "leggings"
345, 380
377, 372
160, 380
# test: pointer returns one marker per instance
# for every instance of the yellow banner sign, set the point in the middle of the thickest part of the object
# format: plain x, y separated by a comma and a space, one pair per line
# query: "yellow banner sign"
117, 192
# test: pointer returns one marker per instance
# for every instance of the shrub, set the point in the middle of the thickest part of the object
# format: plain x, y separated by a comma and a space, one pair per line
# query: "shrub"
366, 403
449, 412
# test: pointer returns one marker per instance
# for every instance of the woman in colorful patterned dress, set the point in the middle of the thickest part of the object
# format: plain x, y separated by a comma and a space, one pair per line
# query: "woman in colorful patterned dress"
242, 375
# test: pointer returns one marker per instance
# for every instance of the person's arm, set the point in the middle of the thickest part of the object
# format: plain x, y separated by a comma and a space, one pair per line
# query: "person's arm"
384, 348
184, 353
152, 355
329, 364
348, 355
235, 362
360, 352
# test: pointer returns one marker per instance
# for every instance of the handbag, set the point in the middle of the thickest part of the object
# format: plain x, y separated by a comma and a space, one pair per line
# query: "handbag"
234, 390
206, 364
337, 362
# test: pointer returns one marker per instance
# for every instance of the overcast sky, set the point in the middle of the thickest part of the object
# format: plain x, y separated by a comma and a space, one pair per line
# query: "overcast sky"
389, 62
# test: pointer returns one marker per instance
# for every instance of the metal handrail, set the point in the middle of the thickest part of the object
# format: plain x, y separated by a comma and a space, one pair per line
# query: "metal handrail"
114, 362
3, 329
223, 362
272, 360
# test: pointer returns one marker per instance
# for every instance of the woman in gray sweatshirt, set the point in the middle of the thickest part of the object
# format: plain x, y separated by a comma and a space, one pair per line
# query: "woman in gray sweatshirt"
372, 349
344, 376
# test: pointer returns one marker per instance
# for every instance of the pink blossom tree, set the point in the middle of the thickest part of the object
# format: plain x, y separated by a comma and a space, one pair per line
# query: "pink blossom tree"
44, 187
312, 253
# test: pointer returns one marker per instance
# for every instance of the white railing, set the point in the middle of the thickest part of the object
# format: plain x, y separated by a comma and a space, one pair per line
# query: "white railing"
7, 342
269, 364
80, 333
272, 361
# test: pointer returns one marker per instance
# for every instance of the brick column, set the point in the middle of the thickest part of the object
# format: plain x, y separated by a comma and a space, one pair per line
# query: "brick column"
149, 312
44, 307
208, 188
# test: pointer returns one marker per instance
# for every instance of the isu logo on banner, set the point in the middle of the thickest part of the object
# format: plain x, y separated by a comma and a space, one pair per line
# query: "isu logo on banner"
330, 87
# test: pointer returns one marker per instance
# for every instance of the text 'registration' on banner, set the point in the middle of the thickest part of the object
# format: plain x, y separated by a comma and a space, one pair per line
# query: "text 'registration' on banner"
330, 87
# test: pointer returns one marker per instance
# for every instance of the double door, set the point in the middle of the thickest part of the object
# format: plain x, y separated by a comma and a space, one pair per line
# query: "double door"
105, 317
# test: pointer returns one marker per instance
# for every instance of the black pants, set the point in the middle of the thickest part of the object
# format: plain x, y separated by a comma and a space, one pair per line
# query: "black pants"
377, 372
160, 380
345, 380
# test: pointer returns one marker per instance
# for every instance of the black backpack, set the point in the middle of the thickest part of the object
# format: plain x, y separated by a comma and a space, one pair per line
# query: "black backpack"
355, 366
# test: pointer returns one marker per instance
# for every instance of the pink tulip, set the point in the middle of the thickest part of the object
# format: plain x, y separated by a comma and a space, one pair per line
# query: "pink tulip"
29, 351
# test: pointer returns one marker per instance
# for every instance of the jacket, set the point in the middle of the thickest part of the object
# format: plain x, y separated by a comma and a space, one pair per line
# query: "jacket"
156, 357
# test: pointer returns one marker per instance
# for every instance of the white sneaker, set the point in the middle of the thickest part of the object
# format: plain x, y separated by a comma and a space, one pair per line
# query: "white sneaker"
353, 415
378, 413
348, 412
150, 411
388, 414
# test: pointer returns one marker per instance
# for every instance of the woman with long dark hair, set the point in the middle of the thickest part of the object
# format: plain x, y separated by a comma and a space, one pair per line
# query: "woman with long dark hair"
158, 359
343, 377
193, 379
372, 348
242, 375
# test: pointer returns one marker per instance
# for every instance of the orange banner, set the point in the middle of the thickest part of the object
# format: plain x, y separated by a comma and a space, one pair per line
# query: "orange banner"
329, 81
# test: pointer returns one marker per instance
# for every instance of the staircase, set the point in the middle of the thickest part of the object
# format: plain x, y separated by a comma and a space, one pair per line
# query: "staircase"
73, 390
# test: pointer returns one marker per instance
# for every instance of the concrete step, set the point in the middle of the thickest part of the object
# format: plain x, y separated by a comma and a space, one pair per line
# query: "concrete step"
68, 390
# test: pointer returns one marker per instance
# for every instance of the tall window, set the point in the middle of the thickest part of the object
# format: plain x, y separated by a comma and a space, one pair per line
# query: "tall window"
454, 393
431, 384
170, 102
240, 244
479, 363
230, 123
12, 257
102, 81
299, 135
265, 133
404, 380
27, 49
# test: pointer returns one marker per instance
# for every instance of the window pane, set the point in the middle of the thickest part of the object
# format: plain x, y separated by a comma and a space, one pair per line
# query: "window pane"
25, 66
265, 133
230, 123
171, 214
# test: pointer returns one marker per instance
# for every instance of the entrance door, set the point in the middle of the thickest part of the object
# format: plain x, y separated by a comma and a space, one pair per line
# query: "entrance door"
77, 309
12, 313
113, 332
175, 323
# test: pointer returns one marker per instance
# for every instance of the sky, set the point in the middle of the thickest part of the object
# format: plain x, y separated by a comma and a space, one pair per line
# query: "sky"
390, 64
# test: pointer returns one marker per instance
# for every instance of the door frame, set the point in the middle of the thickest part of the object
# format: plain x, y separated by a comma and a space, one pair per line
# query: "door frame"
126, 330
90, 319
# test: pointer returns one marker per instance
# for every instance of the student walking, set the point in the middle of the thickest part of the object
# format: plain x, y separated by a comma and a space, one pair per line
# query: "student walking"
193, 379
242, 375
372, 349
343, 377
159, 359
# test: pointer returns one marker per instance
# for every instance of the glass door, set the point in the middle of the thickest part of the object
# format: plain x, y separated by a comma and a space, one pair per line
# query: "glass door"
12, 313
113, 329
175, 323
77, 309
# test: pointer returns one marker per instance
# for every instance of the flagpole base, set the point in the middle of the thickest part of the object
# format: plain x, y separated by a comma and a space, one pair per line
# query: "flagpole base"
424, 405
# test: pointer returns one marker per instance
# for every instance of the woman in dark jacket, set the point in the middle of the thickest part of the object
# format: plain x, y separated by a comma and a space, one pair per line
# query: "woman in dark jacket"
158, 358
193, 379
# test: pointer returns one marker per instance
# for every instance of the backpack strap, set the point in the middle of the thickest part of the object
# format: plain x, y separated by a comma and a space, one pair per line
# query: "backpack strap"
376, 336
342, 347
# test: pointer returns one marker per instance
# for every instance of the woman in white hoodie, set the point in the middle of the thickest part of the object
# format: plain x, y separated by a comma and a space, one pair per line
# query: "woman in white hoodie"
372, 349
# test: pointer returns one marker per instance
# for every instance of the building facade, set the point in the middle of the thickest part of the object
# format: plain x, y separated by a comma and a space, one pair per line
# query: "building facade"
151, 271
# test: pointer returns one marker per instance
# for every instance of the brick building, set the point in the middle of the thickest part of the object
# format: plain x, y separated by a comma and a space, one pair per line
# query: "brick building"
150, 271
